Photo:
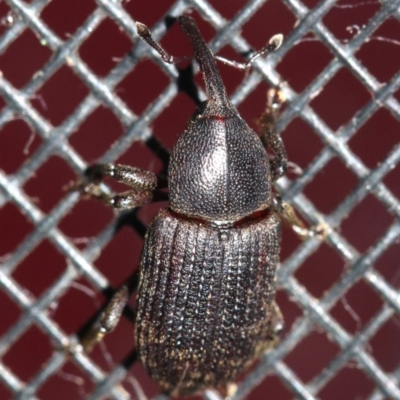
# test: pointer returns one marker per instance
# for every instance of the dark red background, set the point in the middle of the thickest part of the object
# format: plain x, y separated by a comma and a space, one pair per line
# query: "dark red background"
336, 104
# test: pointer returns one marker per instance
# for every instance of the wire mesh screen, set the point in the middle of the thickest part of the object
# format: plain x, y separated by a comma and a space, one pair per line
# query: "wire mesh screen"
78, 87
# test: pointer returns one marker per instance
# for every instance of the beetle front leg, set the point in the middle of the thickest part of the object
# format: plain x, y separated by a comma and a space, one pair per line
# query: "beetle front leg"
145, 185
271, 138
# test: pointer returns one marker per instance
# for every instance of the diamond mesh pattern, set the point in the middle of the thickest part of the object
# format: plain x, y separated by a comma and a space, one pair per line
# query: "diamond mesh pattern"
354, 313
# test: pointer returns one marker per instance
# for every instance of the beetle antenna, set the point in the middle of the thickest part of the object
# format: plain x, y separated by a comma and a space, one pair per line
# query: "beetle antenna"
144, 32
273, 44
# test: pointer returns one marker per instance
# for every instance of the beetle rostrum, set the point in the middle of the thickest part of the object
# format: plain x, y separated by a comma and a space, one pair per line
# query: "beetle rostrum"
205, 305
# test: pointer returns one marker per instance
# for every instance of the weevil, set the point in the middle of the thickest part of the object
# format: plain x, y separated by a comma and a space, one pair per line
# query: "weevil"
205, 303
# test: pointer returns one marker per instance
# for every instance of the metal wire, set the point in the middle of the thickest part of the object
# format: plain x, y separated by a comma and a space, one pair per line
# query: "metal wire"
138, 127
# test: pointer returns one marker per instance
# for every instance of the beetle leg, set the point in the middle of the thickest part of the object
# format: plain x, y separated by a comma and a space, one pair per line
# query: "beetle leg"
290, 218
145, 185
107, 320
271, 138
121, 201
138, 179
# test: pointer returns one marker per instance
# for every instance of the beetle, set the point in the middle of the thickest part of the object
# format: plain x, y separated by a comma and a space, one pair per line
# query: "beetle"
205, 304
